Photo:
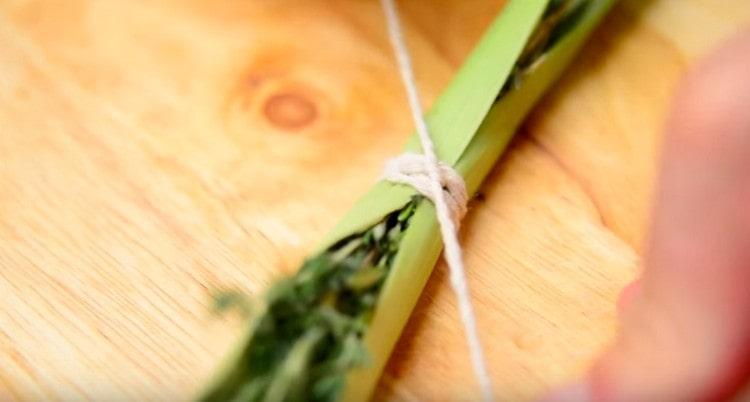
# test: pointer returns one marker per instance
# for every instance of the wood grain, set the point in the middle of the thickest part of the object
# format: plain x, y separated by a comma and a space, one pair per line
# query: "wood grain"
154, 152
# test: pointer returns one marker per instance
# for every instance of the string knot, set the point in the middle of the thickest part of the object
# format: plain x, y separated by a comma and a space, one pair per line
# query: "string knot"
413, 170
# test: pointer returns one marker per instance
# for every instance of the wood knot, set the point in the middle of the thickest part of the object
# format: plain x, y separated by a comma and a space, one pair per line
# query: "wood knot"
290, 111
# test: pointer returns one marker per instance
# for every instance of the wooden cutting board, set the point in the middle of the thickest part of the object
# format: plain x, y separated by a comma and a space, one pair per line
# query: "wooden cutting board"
153, 152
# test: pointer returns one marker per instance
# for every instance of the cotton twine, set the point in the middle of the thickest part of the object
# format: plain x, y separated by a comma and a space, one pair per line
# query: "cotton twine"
444, 187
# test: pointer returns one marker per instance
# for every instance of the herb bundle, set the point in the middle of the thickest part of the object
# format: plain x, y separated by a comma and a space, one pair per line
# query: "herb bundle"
325, 333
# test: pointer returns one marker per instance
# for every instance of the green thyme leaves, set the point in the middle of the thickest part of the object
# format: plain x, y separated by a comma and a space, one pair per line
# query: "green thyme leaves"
311, 332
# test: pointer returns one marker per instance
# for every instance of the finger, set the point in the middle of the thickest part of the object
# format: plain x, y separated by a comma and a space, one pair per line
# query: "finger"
686, 336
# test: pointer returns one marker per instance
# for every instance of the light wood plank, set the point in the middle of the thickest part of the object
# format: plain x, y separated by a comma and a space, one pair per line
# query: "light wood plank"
153, 152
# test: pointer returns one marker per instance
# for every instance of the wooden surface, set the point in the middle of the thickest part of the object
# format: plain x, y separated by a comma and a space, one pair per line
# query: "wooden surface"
152, 152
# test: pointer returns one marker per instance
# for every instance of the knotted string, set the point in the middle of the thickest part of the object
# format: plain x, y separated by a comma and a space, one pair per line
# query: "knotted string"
412, 169
429, 177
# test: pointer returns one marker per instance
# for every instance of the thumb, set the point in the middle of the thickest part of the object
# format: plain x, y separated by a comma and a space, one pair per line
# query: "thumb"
685, 333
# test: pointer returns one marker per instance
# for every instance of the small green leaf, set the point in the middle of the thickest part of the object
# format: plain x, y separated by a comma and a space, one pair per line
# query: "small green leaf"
232, 300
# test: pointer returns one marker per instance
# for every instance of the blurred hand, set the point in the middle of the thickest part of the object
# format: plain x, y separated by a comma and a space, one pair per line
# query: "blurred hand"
685, 325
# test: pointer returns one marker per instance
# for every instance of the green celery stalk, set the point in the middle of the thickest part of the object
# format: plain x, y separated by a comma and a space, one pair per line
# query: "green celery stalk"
471, 126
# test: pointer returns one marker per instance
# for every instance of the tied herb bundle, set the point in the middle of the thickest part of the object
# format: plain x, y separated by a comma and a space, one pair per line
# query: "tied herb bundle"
326, 333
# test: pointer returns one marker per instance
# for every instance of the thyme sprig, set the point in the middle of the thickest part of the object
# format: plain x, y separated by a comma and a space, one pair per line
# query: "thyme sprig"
311, 332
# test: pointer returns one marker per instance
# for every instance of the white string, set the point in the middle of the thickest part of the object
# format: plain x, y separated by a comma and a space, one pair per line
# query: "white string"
453, 252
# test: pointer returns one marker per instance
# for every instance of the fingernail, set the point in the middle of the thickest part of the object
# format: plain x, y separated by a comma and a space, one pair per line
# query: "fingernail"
576, 392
